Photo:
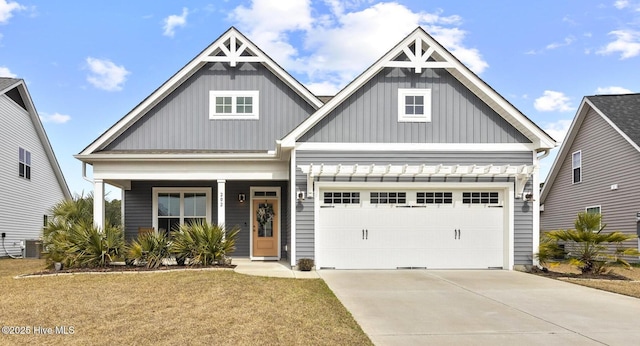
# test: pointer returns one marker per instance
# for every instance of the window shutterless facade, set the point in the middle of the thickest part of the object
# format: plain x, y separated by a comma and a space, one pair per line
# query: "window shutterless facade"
24, 163
576, 165
234, 104
414, 105
176, 206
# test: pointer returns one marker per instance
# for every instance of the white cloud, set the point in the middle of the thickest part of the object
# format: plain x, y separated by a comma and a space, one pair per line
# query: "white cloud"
567, 41
627, 43
106, 75
6, 9
5, 72
323, 88
620, 4
54, 118
269, 22
613, 90
558, 130
552, 101
337, 46
174, 21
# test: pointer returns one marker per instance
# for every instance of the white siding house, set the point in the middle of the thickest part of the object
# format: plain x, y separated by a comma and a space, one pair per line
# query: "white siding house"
31, 181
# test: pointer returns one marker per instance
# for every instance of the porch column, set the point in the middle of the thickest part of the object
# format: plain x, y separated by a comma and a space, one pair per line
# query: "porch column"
221, 197
98, 203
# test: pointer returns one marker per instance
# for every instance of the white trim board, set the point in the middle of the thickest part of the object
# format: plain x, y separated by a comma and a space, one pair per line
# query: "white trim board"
503, 147
232, 57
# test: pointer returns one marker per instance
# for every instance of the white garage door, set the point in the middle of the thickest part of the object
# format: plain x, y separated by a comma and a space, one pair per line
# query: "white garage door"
389, 229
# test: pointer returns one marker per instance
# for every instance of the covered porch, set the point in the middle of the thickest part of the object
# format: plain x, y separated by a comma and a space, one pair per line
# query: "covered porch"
159, 196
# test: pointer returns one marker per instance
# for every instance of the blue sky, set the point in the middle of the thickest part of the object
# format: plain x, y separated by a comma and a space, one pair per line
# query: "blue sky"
87, 63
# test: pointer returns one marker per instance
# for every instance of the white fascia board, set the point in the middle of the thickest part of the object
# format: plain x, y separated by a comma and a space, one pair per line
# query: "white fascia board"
312, 146
270, 156
194, 65
565, 146
541, 139
191, 170
42, 135
615, 127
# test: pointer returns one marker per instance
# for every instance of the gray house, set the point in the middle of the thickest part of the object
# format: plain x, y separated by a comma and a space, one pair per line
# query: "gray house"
31, 181
597, 167
416, 163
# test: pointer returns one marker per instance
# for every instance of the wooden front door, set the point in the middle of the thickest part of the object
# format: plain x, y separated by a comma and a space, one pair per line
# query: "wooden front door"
265, 228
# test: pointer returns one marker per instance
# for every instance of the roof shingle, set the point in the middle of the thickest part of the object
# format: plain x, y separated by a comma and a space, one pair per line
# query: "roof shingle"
623, 110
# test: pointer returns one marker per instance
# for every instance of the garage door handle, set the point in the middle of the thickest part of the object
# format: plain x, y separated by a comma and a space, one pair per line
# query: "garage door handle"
366, 232
363, 234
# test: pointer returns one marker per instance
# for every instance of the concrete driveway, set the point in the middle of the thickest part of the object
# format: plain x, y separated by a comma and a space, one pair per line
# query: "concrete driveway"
425, 307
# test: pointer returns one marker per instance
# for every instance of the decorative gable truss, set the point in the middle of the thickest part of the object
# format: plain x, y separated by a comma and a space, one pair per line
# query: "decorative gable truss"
232, 48
418, 55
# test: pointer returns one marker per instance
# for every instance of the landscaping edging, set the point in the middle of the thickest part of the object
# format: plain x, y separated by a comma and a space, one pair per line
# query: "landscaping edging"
26, 276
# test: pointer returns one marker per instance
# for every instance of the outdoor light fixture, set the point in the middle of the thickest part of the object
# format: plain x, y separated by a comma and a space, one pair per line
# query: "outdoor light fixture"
528, 196
241, 197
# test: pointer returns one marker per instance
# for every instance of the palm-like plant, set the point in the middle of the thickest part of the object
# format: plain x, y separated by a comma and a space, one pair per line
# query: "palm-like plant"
149, 248
71, 238
588, 245
202, 243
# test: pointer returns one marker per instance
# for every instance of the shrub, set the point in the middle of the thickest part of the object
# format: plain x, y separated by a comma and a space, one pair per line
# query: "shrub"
81, 244
589, 245
149, 249
305, 264
201, 243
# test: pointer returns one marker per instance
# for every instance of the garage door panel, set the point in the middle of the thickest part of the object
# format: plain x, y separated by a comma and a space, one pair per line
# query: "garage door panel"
386, 236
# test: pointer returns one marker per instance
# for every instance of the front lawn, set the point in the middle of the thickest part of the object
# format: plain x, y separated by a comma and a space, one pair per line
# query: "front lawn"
195, 307
618, 280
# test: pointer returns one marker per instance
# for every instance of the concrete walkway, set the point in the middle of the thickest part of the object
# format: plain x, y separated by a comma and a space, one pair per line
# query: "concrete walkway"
280, 269
423, 307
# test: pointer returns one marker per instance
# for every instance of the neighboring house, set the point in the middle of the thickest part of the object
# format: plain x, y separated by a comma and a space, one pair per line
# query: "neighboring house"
415, 163
597, 167
31, 181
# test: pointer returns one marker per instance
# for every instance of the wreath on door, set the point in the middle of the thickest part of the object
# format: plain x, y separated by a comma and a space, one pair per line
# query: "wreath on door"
265, 213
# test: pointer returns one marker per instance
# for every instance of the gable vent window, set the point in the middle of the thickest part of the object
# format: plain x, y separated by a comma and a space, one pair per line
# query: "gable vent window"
414, 105
434, 198
233, 105
480, 198
388, 197
24, 166
576, 165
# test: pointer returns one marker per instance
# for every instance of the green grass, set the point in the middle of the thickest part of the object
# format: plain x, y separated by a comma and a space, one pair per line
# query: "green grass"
192, 307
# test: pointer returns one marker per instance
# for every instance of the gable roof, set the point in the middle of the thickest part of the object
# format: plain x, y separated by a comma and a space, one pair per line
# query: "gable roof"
9, 84
231, 47
622, 112
419, 51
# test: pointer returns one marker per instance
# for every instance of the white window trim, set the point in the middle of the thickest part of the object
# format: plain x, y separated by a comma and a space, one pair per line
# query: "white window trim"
574, 167
254, 94
592, 207
599, 210
420, 118
181, 191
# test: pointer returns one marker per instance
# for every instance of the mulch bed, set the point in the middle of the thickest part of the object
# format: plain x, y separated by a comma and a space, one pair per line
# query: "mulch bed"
591, 276
128, 268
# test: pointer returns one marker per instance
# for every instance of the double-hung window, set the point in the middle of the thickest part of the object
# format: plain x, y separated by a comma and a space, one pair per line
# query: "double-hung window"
576, 165
414, 105
234, 104
176, 206
24, 164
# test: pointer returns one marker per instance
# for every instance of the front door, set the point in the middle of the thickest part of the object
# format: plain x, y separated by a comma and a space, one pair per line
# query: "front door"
265, 228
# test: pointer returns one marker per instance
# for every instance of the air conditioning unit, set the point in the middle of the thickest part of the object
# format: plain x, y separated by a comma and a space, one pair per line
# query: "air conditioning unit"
33, 248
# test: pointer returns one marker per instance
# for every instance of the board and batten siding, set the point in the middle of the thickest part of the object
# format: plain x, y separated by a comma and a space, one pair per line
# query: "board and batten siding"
181, 120
139, 212
23, 203
523, 213
607, 159
370, 115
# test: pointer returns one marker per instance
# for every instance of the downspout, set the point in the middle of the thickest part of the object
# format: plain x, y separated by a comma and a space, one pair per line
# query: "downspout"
546, 153
84, 172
